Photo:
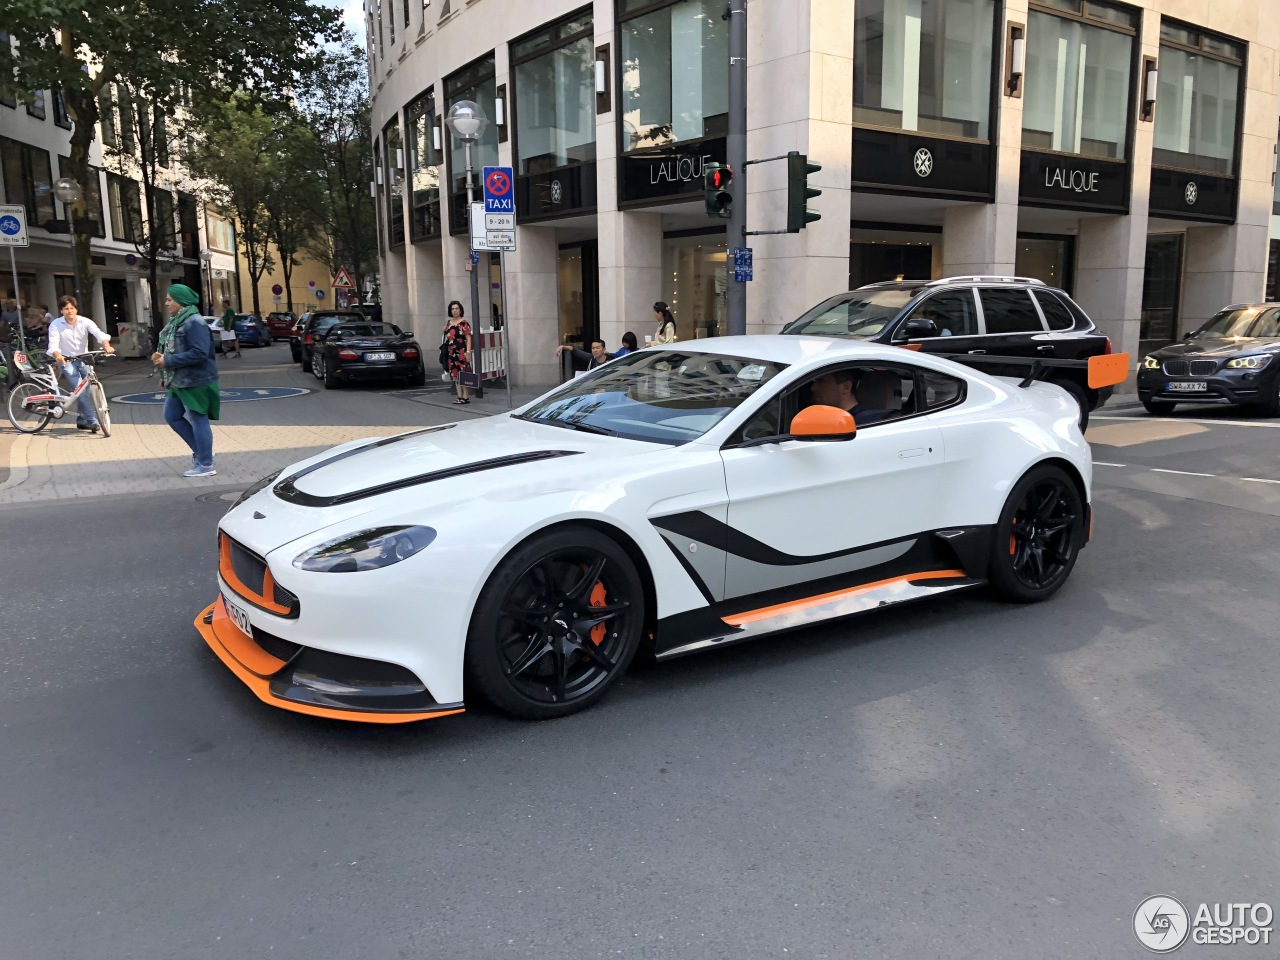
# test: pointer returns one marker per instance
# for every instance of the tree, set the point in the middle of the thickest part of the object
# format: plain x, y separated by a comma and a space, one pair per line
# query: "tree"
238, 158
160, 50
294, 198
336, 109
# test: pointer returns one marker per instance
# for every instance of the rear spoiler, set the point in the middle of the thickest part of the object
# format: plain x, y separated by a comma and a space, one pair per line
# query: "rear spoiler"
1105, 370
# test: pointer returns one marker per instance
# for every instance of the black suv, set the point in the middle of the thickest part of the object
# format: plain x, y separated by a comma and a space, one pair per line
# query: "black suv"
314, 323
1001, 325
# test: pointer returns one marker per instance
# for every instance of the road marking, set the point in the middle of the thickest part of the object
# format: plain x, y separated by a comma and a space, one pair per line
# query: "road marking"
1258, 480
1229, 423
1186, 473
1103, 463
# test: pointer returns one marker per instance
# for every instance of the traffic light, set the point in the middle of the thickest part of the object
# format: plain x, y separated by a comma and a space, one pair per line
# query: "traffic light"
799, 192
716, 178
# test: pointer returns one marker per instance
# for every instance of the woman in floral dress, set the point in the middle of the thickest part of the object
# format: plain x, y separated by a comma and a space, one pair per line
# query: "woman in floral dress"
457, 339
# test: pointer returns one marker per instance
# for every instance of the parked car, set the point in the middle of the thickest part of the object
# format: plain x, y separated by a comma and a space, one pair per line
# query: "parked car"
317, 322
1234, 358
280, 323
677, 499
366, 351
252, 331
1002, 325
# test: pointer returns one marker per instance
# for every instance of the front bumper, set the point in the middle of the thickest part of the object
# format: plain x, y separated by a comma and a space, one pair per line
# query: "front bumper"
387, 370
1240, 388
316, 682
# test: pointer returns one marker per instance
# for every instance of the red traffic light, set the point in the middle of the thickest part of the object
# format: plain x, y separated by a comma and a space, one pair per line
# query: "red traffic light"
720, 178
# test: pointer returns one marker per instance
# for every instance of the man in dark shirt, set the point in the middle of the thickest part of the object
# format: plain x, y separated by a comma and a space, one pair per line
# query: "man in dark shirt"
597, 357
836, 390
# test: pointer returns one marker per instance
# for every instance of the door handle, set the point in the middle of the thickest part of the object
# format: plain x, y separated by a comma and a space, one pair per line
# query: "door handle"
913, 452
1045, 348
977, 351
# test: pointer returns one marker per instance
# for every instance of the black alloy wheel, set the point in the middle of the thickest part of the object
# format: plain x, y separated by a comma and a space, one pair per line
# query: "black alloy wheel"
317, 366
1038, 537
558, 622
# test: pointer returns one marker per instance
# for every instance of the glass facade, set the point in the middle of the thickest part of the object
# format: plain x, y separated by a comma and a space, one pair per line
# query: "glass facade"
1161, 283
696, 280
422, 126
675, 85
1197, 104
393, 158
28, 179
924, 65
1077, 87
1050, 259
126, 208
555, 97
475, 83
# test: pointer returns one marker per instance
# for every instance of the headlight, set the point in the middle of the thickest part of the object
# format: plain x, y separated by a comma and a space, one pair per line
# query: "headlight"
1150, 363
260, 485
1249, 363
366, 550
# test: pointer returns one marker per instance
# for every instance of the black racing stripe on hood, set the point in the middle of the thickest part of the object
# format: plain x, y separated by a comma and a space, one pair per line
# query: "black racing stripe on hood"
385, 441
287, 490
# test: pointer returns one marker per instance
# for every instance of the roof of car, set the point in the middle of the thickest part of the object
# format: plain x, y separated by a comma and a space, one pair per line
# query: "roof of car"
791, 348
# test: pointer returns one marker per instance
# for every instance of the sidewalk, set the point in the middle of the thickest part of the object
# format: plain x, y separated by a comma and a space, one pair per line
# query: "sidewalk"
251, 440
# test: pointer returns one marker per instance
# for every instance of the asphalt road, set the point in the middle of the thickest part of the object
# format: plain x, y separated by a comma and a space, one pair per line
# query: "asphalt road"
962, 779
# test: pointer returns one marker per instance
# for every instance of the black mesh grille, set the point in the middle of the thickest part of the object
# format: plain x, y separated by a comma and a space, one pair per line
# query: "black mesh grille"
1203, 368
1176, 368
247, 566
278, 647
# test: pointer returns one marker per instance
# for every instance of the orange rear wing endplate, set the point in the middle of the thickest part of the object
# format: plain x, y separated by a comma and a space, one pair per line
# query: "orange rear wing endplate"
1108, 370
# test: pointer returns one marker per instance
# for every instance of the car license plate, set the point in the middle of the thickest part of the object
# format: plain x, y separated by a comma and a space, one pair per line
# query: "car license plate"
238, 616
380, 356
1186, 386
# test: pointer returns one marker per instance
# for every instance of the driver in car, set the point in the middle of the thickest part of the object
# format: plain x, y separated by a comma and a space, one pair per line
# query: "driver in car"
836, 389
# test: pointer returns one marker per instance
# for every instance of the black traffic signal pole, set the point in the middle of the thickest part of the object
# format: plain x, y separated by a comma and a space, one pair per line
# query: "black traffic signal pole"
736, 156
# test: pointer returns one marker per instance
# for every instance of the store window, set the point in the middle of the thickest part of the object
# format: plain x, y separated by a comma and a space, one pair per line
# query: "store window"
1161, 286
28, 179
1078, 74
696, 282
422, 126
1197, 107
1048, 258
924, 65
126, 208
555, 96
393, 172
474, 82
92, 199
675, 83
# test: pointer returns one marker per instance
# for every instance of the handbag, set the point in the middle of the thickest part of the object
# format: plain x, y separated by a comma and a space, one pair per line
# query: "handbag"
444, 354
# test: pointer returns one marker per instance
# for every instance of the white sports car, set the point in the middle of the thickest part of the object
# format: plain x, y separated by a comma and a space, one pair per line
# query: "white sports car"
678, 498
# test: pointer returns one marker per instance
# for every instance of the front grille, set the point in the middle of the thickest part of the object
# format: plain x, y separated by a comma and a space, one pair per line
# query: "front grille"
1194, 368
248, 574
249, 567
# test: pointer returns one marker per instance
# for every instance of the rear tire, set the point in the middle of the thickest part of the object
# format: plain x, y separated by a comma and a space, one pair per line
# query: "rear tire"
556, 625
1038, 536
100, 405
1159, 408
27, 421
419, 379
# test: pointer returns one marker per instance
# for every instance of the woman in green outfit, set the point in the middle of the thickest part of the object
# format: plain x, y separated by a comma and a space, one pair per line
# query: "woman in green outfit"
189, 369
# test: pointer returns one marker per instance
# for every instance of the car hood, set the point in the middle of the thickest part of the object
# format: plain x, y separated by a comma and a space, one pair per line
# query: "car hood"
1217, 347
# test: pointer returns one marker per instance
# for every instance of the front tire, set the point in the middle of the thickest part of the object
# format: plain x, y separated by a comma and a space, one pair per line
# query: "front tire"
1159, 408
27, 420
100, 406
556, 625
1038, 537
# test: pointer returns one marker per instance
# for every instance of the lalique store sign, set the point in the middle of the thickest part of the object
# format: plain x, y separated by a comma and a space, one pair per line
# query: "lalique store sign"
668, 172
1055, 180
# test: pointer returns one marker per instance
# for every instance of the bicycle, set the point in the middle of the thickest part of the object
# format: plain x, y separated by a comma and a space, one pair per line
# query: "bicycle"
39, 399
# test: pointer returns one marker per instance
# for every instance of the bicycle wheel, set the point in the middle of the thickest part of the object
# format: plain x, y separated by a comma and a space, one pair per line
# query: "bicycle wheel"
26, 419
100, 405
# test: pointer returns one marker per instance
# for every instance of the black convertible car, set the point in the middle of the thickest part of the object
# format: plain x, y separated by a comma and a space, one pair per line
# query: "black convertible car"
366, 351
1231, 359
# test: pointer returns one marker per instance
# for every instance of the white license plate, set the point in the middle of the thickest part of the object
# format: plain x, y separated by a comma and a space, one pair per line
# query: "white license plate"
1186, 386
379, 356
238, 616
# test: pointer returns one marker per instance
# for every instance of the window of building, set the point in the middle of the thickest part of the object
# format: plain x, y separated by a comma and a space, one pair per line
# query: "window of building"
1197, 107
128, 132
92, 199
28, 179
126, 208
163, 226
422, 126
406, 16
696, 282
391, 19
675, 85
107, 117
554, 90
60, 115
474, 82
35, 104
7, 101
1273, 271
924, 65
1078, 73
1008, 311
377, 15
393, 156
1048, 258
221, 233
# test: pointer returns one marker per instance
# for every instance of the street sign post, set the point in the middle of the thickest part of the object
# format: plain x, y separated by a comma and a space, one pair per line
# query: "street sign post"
13, 233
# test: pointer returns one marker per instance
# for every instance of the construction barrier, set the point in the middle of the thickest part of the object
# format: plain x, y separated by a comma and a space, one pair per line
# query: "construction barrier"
493, 361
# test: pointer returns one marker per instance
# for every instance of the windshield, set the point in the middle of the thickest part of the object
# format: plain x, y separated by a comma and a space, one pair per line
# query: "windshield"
1249, 322
860, 313
669, 396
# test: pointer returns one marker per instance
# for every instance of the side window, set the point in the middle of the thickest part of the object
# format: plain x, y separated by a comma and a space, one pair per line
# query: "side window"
953, 313
1008, 311
1055, 313
873, 393
937, 390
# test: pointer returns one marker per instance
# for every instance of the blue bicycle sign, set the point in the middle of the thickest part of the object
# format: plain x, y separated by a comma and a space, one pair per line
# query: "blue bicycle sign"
10, 226
13, 225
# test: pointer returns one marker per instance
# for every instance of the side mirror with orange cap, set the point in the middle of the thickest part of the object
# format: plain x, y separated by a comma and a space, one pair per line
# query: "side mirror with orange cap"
821, 422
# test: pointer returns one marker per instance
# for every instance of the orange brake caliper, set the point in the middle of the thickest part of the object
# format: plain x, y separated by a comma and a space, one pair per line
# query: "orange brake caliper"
597, 599
1013, 543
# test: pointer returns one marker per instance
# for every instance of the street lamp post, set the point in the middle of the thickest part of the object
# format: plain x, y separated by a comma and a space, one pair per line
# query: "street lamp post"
467, 122
69, 192
206, 257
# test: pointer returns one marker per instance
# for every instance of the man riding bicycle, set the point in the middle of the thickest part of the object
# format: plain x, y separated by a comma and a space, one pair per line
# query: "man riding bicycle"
69, 336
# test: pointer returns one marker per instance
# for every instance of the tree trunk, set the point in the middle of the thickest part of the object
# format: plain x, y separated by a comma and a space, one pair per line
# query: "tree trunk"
82, 107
